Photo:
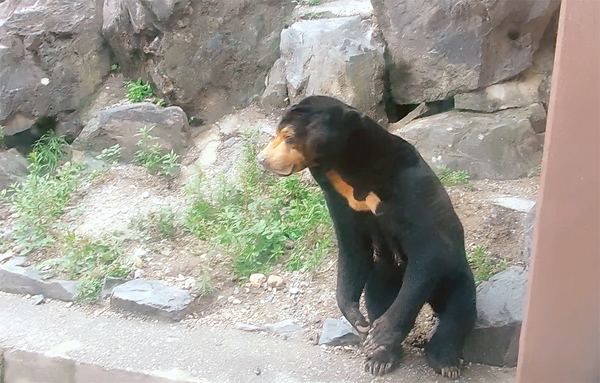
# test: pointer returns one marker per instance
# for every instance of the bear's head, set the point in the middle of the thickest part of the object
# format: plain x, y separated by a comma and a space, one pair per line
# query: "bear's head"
315, 132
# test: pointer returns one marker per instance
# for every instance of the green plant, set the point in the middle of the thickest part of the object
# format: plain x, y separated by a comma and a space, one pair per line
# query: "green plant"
114, 67
47, 153
307, 2
39, 201
111, 155
138, 91
160, 223
261, 219
483, 266
1, 136
452, 177
150, 156
90, 262
204, 283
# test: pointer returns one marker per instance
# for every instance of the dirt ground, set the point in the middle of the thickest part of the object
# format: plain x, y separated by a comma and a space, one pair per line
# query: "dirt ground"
113, 202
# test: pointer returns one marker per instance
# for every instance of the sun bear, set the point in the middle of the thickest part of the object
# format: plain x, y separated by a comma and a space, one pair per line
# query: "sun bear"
399, 238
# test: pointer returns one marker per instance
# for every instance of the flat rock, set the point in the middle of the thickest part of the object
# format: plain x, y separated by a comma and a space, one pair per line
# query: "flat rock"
247, 327
500, 303
283, 327
121, 124
151, 298
501, 145
109, 284
19, 280
513, 203
337, 332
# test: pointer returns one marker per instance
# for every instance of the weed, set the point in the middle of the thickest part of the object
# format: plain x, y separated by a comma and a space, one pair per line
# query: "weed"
1, 136
307, 2
157, 224
150, 154
484, 267
452, 177
90, 262
137, 91
536, 171
204, 284
261, 219
39, 201
111, 155
114, 67
47, 153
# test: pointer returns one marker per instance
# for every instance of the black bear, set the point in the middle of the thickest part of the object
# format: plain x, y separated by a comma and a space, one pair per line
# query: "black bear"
398, 235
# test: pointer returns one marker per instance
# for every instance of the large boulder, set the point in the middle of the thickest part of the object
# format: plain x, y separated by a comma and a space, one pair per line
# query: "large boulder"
339, 57
439, 48
208, 57
121, 125
501, 145
500, 305
52, 58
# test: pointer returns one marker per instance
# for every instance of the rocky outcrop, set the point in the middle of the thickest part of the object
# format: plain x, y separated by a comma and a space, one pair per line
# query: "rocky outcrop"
339, 57
121, 124
502, 145
440, 48
52, 58
208, 57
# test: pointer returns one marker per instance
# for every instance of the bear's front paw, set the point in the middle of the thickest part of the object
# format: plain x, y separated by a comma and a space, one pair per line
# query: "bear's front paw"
381, 335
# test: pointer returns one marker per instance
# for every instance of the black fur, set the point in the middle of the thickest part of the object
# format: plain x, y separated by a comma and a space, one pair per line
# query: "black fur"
410, 252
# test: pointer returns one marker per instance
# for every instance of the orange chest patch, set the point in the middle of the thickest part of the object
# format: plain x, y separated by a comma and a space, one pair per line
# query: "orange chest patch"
347, 191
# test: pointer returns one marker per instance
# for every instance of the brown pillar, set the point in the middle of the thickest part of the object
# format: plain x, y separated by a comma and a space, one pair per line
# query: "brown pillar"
560, 339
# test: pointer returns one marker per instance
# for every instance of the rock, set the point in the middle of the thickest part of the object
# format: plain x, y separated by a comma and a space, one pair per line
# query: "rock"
19, 280
138, 273
247, 327
500, 304
206, 57
294, 290
151, 298
438, 48
274, 281
7, 255
52, 58
337, 333
120, 125
256, 280
513, 203
109, 284
13, 168
529, 227
284, 327
502, 145
333, 9
275, 95
38, 300
338, 57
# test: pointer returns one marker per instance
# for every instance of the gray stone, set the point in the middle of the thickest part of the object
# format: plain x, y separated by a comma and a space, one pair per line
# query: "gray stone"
151, 298
109, 284
208, 58
501, 145
275, 95
438, 48
38, 300
19, 280
120, 125
334, 8
338, 57
247, 327
52, 58
13, 168
529, 227
283, 327
500, 305
513, 203
338, 332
